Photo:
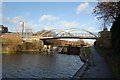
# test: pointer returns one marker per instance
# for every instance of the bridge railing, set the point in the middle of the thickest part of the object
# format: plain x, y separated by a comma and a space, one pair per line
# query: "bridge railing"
77, 35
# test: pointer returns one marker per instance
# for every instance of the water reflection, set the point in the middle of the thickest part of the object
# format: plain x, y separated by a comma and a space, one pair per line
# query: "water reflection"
29, 65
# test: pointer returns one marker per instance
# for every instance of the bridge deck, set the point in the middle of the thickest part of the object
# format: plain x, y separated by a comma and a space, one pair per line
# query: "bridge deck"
48, 38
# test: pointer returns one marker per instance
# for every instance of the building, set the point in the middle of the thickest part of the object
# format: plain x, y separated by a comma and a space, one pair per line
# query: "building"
3, 29
104, 38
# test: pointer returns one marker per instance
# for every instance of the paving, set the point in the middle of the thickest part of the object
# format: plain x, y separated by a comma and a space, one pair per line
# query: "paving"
99, 69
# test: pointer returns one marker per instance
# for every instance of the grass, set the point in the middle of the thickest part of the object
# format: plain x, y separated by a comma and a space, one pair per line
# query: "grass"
89, 56
112, 60
87, 50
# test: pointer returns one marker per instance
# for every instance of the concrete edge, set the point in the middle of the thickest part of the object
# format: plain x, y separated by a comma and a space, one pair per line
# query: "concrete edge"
80, 72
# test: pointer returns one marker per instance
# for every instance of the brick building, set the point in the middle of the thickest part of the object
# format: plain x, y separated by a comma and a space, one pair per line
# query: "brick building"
104, 39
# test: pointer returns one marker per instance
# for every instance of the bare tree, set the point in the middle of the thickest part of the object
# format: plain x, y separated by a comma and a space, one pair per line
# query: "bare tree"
108, 11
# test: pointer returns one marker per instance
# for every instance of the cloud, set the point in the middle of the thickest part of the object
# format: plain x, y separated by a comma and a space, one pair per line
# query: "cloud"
17, 22
14, 20
91, 29
62, 25
47, 27
82, 7
67, 24
48, 18
27, 26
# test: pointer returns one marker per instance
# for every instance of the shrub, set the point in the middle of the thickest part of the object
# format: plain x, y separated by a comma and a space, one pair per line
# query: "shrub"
10, 42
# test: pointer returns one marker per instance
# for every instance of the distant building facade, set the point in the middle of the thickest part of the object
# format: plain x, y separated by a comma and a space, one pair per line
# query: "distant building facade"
3, 29
104, 39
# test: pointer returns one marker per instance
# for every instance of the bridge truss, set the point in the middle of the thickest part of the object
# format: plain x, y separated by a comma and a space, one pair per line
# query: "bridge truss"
71, 32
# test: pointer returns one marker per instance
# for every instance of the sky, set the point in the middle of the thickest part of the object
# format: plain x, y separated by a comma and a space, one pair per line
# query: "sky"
50, 15
59, 0
38, 16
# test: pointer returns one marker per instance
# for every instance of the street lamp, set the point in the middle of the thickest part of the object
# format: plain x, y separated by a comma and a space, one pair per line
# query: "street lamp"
22, 28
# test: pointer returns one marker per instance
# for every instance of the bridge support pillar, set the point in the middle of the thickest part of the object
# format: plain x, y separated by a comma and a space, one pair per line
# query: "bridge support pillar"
48, 48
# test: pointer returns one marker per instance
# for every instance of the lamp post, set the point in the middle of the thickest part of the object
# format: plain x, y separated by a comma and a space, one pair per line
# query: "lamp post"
22, 28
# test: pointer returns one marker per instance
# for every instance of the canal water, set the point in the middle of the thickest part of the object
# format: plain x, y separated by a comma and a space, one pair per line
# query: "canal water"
36, 65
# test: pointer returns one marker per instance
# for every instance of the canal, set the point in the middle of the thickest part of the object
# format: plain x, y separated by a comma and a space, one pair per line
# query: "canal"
36, 65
